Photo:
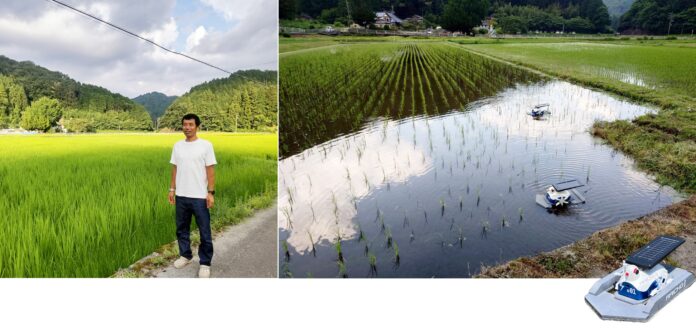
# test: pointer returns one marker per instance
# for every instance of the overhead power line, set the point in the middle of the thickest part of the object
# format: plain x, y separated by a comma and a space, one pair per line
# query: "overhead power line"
140, 37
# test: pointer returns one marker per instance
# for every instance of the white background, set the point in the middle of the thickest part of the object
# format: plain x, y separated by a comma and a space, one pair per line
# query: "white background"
313, 303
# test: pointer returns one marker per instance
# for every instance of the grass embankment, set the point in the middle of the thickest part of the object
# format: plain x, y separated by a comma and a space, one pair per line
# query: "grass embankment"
87, 205
661, 73
603, 251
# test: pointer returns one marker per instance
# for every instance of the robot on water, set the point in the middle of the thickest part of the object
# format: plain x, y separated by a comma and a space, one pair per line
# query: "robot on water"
561, 195
539, 111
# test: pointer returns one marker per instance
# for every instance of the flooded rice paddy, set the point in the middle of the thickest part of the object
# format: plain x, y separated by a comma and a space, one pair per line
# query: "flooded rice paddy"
440, 195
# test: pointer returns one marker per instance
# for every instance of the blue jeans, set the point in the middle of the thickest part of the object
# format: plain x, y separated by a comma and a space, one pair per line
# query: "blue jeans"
185, 207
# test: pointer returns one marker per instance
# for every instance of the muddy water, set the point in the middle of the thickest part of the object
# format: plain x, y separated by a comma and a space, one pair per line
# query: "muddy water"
456, 191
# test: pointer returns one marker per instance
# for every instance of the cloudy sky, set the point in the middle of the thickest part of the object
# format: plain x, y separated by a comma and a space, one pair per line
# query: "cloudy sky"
231, 34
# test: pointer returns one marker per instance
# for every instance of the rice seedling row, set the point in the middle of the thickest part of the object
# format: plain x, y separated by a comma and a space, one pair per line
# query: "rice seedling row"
329, 92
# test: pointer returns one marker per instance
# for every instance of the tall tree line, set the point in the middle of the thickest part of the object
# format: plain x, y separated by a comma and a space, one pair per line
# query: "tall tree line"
462, 15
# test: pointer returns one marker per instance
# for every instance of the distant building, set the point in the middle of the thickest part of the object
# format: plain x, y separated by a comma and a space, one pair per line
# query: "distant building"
488, 23
386, 18
415, 20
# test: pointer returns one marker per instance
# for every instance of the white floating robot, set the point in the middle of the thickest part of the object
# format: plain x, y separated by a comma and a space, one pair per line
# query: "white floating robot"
561, 194
539, 111
642, 286
637, 284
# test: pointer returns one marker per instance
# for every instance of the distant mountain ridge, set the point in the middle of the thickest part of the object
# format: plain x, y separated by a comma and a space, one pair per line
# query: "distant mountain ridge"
155, 103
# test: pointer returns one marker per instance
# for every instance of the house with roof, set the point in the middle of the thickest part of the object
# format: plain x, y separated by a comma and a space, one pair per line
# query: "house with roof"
387, 18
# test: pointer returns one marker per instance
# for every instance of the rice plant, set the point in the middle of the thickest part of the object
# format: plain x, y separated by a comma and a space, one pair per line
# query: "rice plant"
397, 256
311, 240
373, 264
339, 250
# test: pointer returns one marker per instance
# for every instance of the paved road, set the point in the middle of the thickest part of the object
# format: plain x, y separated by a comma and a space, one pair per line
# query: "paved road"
245, 250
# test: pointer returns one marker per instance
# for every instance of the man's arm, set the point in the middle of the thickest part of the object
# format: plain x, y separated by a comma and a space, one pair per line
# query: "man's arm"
210, 172
172, 186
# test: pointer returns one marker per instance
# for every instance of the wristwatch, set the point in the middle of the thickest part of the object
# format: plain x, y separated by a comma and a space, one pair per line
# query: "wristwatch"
212, 192
171, 189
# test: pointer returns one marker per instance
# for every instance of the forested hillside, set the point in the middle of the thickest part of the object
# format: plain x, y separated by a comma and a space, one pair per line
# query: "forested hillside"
22, 84
245, 100
660, 17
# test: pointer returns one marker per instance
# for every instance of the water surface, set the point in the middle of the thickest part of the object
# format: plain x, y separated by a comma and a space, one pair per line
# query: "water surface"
456, 191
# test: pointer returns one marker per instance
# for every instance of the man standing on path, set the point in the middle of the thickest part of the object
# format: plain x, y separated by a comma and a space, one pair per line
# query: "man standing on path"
192, 191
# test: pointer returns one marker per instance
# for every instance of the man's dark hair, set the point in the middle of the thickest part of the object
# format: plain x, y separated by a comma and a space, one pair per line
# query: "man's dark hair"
191, 116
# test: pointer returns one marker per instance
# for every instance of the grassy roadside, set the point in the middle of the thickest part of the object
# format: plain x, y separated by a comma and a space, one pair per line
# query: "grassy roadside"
223, 217
603, 251
663, 144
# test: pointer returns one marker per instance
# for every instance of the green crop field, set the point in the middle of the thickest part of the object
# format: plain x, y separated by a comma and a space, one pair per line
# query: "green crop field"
87, 205
294, 44
665, 73
360, 81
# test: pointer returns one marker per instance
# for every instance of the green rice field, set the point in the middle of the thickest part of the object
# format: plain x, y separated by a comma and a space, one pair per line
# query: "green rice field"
87, 205
660, 73
395, 80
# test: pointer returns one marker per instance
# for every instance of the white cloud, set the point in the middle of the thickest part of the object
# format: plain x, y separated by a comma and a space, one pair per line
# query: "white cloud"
242, 9
165, 35
61, 40
195, 38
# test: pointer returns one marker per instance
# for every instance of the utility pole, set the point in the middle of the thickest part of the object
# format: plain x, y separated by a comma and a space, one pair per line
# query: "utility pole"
350, 19
671, 19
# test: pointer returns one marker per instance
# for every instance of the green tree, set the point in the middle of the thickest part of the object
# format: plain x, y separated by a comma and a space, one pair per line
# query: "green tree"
463, 15
579, 25
361, 12
287, 9
42, 114
13, 100
19, 101
512, 24
79, 125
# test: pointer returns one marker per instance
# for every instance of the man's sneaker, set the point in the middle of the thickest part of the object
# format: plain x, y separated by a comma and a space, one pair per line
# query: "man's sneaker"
181, 262
204, 271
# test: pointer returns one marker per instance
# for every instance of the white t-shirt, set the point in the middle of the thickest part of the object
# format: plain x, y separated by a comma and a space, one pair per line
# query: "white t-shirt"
190, 159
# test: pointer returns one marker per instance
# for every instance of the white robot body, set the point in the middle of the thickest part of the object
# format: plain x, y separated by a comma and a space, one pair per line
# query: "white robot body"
638, 284
558, 198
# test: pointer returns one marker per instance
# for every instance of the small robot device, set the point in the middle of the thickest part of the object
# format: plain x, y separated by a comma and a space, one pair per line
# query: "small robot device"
539, 111
642, 286
561, 194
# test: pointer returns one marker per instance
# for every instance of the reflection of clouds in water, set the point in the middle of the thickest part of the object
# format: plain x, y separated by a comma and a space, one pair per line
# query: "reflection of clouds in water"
573, 109
320, 187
